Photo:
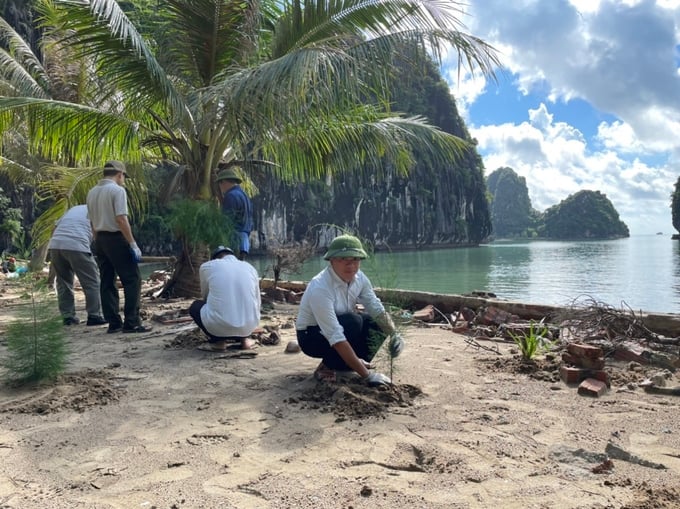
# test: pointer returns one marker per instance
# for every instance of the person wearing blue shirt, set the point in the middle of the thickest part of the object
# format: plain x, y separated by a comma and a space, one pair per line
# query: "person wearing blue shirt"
237, 206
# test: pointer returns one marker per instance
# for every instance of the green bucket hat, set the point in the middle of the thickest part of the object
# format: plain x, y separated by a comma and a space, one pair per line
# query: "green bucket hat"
345, 246
229, 174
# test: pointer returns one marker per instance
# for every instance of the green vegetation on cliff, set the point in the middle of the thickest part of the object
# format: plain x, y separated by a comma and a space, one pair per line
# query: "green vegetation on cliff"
675, 205
511, 211
434, 204
583, 215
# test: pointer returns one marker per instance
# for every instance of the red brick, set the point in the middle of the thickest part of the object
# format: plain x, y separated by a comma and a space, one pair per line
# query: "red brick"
571, 375
495, 316
426, 314
600, 375
583, 350
630, 351
583, 362
592, 387
460, 327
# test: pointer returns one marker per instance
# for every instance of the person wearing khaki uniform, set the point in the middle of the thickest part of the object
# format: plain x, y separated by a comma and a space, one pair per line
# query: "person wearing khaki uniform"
116, 250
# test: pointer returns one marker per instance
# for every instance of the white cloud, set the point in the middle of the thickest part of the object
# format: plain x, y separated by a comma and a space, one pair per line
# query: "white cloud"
618, 136
465, 88
556, 162
585, 6
621, 57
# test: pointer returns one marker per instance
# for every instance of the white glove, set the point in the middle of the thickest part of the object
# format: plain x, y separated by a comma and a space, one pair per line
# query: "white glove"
375, 379
136, 252
396, 345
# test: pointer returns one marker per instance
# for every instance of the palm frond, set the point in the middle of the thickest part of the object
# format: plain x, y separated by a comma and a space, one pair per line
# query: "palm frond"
19, 65
99, 30
16, 80
43, 226
211, 36
64, 187
297, 85
347, 23
61, 128
360, 140
17, 173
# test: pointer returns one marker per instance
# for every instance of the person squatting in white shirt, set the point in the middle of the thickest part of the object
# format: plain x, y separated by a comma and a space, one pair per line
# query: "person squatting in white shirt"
229, 310
328, 324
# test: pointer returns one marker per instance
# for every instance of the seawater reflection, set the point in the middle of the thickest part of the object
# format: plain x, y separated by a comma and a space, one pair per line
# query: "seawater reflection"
641, 272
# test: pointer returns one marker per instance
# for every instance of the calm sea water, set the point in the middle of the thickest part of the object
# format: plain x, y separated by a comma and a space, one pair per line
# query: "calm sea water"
641, 272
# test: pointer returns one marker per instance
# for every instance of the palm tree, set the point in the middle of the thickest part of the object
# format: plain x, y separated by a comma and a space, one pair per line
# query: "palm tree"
294, 88
36, 66
22, 73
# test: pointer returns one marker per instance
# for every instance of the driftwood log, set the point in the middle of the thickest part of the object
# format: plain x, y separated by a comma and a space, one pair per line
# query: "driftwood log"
667, 324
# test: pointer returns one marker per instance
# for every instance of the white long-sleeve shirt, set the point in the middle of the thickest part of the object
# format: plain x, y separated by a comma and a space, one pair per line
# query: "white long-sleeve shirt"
231, 289
327, 296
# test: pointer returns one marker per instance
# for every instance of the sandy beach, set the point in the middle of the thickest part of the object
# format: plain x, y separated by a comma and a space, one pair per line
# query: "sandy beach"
151, 421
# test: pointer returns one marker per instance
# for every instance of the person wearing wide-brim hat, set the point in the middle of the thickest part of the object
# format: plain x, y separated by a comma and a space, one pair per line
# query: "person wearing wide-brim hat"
330, 327
237, 206
229, 308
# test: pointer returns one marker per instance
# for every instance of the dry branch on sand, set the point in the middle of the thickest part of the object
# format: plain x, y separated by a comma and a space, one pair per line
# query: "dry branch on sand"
591, 318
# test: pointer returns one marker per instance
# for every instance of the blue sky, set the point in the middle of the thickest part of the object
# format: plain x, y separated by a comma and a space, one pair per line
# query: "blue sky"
588, 98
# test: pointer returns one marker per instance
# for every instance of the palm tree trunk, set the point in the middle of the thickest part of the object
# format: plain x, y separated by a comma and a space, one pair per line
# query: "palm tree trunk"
185, 281
37, 261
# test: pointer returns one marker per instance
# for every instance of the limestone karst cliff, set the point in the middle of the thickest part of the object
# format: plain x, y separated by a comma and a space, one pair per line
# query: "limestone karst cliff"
432, 206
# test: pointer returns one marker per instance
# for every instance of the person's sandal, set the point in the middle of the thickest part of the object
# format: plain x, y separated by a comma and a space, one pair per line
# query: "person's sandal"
325, 374
217, 346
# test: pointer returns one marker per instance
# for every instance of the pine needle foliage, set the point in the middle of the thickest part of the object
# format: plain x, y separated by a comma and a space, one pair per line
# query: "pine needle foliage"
380, 356
36, 348
200, 223
384, 356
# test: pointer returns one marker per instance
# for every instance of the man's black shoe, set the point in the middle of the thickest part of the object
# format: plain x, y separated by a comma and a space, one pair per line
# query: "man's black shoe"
96, 320
137, 329
114, 328
72, 320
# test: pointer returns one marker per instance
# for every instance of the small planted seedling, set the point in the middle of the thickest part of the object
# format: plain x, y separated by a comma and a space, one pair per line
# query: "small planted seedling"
532, 341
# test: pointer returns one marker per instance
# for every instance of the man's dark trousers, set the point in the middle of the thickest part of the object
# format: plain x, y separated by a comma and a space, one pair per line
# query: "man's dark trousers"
115, 258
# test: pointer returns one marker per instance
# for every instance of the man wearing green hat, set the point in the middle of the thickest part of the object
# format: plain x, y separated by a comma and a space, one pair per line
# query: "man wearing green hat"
330, 327
237, 206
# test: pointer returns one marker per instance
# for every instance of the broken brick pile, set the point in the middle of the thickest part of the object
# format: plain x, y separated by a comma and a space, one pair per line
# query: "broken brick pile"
584, 365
